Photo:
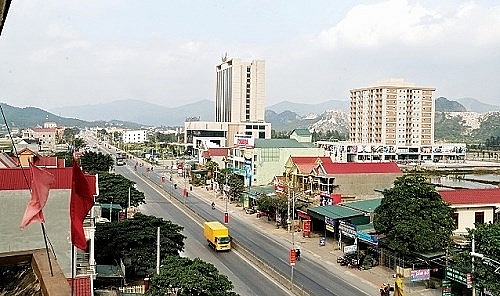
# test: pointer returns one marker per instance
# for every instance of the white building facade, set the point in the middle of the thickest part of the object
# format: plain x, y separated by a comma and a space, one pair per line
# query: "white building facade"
240, 91
134, 136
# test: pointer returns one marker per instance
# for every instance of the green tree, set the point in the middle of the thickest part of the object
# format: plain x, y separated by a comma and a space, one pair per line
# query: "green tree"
115, 188
236, 187
211, 167
134, 241
487, 243
96, 162
183, 276
67, 156
70, 134
412, 217
273, 204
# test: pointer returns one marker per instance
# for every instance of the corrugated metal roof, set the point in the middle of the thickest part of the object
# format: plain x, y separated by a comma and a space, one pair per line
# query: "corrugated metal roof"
361, 168
19, 178
334, 212
471, 196
301, 132
367, 205
281, 143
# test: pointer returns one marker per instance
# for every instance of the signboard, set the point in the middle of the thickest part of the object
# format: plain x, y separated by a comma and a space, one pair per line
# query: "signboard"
293, 257
306, 228
350, 249
417, 275
248, 172
348, 229
456, 276
244, 141
330, 224
446, 288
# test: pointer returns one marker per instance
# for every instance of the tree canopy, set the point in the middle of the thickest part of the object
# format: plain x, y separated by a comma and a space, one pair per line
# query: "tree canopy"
134, 241
115, 188
412, 217
96, 162
183, 276
487, 242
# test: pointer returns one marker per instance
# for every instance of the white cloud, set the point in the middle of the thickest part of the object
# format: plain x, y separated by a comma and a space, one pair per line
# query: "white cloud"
411, 24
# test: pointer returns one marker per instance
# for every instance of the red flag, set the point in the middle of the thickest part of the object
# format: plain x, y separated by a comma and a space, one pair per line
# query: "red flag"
81, 202
40, 185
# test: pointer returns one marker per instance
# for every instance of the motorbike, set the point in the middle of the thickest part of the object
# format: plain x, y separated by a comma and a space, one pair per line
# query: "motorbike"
213, 206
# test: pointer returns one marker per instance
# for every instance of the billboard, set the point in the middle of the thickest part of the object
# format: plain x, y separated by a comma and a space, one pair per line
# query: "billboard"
243, 141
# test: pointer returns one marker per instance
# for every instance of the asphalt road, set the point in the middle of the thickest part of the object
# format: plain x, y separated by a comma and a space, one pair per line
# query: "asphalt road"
311, 276
246, 279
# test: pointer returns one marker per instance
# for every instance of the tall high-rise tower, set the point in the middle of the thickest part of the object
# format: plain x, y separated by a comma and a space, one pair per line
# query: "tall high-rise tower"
240, 91
392, 113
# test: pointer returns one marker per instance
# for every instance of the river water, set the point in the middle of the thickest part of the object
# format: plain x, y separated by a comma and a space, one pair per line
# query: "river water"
470, 181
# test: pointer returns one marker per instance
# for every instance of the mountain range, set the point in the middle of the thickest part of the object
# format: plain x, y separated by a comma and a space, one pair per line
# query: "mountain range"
284, 116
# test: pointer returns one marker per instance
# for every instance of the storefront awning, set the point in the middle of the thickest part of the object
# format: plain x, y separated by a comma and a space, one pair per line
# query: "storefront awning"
334, 212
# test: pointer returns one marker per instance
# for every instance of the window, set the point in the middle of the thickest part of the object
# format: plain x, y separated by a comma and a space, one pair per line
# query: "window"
479, 218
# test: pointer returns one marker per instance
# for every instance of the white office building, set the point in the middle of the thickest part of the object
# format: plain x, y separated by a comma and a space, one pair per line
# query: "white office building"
134, 136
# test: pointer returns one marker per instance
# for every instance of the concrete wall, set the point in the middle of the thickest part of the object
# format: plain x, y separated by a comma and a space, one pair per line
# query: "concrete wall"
363, 185
466, 217
12, 206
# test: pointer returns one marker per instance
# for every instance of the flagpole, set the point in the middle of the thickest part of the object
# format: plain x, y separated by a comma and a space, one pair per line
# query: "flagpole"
72, 268
47, 248
158, 251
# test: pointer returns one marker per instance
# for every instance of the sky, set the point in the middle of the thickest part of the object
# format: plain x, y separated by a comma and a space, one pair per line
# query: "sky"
57, 53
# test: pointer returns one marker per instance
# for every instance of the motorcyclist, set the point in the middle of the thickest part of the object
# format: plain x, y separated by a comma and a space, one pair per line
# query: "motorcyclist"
297, 254
213, 205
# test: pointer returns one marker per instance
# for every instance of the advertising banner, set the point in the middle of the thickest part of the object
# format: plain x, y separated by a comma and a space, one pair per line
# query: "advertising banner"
244, 141
418, 275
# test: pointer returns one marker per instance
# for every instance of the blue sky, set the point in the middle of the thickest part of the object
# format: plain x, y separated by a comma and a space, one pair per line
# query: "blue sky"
69, 53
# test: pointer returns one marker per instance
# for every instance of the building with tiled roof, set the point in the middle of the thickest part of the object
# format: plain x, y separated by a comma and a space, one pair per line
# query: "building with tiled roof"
358, 180
472, 206
47, 137
217, 155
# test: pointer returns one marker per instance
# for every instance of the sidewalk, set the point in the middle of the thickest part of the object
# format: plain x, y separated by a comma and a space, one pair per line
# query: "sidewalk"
325, 255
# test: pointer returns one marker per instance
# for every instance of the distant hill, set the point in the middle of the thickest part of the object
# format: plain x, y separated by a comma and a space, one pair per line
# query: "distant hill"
141, 112
33, 117
474, 105
287, 120
304, 109
444, 105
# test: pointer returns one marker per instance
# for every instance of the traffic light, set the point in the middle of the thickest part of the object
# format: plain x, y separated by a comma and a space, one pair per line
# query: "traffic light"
226, 218
293, 257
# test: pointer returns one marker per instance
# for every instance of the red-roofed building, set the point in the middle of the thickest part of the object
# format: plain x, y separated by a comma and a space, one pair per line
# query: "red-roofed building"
356, 180
217, 155
299, 168
47, 137
472, 206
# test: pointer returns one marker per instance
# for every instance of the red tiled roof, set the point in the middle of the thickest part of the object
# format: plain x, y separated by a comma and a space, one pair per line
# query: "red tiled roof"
19, 178
43, 130
305, 164
471, 196
361, 168
217, 151
81, 286
310, 159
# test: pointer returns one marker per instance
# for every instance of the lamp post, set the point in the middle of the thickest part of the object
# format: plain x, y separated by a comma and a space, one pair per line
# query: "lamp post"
111, 210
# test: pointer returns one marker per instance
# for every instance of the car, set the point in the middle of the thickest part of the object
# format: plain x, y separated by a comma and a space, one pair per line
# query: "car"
250, 211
